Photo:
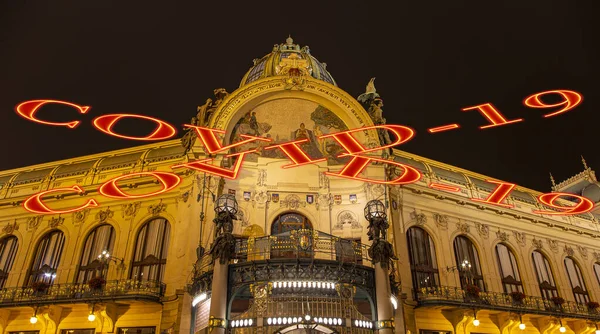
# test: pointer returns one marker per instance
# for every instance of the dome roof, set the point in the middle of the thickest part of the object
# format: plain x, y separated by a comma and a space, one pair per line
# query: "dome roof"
592, 192
271, 64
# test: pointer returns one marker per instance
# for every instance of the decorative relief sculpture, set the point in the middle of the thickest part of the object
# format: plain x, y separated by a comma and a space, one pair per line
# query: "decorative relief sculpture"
538, 244
440, 220
292, 201
503, 236
203, 116
261, 197
261, 180
10, 228
418, 218
569, 250
156, 209
462, 226
373, 104
483, 230
553, 244
79, 217
583, 251
324, 201
33, 222
596, 256
380, 251
103, 215
347, 218
129, 210
520, 237
54, 222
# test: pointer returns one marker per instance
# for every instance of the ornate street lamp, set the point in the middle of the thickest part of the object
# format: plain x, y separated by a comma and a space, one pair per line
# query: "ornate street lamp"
380, 251
223, 247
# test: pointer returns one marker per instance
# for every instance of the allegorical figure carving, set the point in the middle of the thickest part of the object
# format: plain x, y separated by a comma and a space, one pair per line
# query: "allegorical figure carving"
203, 115
223, 248
373, 104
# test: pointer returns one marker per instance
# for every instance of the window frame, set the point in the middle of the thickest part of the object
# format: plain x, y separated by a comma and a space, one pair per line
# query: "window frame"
33, 275
93, 264
9, 259
581, 295
549, 290
508, 281
476, 278
430, 270
150, 260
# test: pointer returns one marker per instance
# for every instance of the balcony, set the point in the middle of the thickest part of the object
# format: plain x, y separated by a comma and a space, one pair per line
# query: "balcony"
281, 257
453, 296
82, 293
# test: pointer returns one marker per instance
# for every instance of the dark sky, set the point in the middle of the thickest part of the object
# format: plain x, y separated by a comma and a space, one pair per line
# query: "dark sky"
431, 58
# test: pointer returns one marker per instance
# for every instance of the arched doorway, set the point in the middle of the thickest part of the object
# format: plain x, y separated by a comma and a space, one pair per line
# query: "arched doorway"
293, 237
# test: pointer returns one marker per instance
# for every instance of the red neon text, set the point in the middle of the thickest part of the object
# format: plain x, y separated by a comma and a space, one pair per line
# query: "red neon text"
36, 205
492, 115
498, 195
28, 110
106, 123
571, 100
584, 205
167, 180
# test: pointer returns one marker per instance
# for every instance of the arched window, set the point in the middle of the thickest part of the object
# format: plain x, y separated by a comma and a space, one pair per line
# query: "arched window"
8, 251
577, 284
423, 263
597, 271
289, 247
151, 248
544, 275
102, 238
509, 272
464, 250
290, 221
46, 258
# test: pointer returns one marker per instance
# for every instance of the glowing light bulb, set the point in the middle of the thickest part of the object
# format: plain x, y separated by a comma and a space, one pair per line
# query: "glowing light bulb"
307, 317
597, 331
91, 317
562, 329
521, 326
476, 322
33, 320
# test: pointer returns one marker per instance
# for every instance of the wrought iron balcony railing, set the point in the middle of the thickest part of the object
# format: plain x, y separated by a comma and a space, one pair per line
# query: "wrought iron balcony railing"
443, 295
296, 244
81, 292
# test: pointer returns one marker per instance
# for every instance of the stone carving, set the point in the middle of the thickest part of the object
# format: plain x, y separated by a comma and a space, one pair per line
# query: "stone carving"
483, 230
261, 180
596, 256
292, 201
583, 251
54, 222
10, 228
462, 227
103, 215
418, 218
374, 190
324, 201
520, 237
33, 222
185, 196
242, 216
503, 236
80, 216
130, 210
569, 250
323, 181
553, 244
156, 209
538, 244
440, 220
203, 116
373, 104
261, 197
346, 217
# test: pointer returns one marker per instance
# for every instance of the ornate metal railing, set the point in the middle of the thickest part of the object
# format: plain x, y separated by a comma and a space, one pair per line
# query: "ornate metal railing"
81, 292
503, 301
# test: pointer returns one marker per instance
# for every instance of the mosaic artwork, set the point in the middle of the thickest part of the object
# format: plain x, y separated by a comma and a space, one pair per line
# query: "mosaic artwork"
285, 120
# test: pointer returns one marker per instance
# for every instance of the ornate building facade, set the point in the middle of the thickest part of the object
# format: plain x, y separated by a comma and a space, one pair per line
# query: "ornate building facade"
279, 250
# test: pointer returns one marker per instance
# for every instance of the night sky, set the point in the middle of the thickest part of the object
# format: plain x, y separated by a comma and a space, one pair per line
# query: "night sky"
431, 58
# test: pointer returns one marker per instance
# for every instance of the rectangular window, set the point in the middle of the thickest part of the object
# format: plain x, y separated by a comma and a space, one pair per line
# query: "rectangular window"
136, 330
78, 331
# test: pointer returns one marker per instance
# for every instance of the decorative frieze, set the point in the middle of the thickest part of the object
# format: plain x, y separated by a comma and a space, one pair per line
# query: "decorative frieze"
418, 218
103, 215
462, 227
440, 220
538, 244
521, 238
10, 228
503, 236
483, 230
553, 244
156, 209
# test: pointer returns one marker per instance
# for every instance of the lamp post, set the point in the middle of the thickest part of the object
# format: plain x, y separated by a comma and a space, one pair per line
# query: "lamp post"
381, 253
105, 257
221, 250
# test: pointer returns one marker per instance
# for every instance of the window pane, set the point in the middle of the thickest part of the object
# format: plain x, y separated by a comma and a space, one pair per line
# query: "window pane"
422, 258
101, 239
576, 279
151, 249
464, 250
47, 258
509, 272
8, 251
544, 275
